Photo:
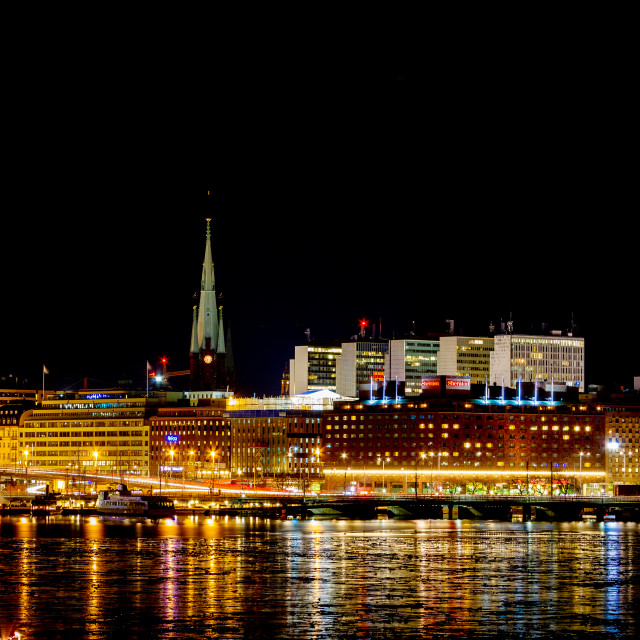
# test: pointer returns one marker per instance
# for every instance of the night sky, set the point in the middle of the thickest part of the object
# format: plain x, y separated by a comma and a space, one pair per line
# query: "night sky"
403, 188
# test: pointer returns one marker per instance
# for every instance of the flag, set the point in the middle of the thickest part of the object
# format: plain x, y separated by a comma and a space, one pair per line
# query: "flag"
44, 369
148, 366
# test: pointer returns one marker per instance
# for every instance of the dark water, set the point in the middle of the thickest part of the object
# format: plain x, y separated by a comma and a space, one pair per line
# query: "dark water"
106, 578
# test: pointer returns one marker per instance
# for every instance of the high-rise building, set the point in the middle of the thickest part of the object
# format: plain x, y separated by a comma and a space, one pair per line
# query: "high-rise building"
465, 356
314, 367
209, 368
409, 361
360, 361
538, 359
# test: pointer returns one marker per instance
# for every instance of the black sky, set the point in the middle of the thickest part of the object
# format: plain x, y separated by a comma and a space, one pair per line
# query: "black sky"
407, 186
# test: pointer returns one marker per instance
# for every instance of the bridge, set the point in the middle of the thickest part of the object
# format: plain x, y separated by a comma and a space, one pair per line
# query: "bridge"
265, 502
436, 507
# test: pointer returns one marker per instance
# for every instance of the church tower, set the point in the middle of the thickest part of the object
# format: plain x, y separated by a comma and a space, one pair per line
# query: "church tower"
207, 352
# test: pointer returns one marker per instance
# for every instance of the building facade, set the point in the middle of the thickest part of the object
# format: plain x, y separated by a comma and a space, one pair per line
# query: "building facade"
90, 431
359, 362
409, 361
465, 356
9, 423
268, 444
622, 442
190, 440
314, 367
537, 359
463, 445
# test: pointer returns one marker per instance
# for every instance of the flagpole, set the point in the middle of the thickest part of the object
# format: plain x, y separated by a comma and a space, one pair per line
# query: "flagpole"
44, 370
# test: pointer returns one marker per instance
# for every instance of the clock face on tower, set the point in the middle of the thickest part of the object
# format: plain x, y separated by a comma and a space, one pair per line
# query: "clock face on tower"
208, 359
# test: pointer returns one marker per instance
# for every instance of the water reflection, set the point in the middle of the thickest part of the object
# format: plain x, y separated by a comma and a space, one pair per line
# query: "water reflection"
234, 578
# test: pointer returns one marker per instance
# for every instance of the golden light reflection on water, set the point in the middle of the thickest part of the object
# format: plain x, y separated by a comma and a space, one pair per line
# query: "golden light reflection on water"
95, 579
234, 578
171, 591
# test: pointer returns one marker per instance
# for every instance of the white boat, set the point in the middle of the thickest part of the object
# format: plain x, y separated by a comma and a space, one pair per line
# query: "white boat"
120, 501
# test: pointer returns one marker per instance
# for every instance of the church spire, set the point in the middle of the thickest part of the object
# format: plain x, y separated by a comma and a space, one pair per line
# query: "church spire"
207, 312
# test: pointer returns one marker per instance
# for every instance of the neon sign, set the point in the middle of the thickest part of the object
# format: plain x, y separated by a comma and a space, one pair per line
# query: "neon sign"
171, 438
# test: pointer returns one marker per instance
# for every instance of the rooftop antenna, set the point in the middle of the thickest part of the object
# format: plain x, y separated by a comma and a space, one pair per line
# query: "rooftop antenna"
451, 324
510, 324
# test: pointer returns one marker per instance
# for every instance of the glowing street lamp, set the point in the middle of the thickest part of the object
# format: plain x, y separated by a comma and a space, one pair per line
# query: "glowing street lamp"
423, 456
384, 486
440, 454
344, 459
95, 465
581, 454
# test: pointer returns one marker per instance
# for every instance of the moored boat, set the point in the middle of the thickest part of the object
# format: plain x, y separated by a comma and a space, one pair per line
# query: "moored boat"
45, 505
120, 501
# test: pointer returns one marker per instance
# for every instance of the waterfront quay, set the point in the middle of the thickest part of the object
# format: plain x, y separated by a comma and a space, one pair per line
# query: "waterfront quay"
437, 507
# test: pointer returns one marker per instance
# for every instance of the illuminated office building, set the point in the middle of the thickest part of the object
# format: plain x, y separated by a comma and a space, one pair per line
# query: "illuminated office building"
87, 431
360, 361
314, 367
538, 359
409, 361
465, 356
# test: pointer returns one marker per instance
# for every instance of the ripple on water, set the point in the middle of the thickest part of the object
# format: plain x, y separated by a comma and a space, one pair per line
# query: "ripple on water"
310, 579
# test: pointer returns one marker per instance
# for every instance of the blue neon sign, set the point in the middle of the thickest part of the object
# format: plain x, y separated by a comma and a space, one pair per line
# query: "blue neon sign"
171, 438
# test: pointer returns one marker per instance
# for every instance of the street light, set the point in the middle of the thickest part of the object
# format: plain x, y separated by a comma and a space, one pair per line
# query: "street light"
422, 455
344, 459
95, 465
440, 454
581, 454
384, 486
213, 470
26, 466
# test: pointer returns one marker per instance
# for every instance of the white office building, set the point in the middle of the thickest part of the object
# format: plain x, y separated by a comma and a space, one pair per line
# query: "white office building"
313, 368
540, 359
465, 356
360, 361
410, 361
